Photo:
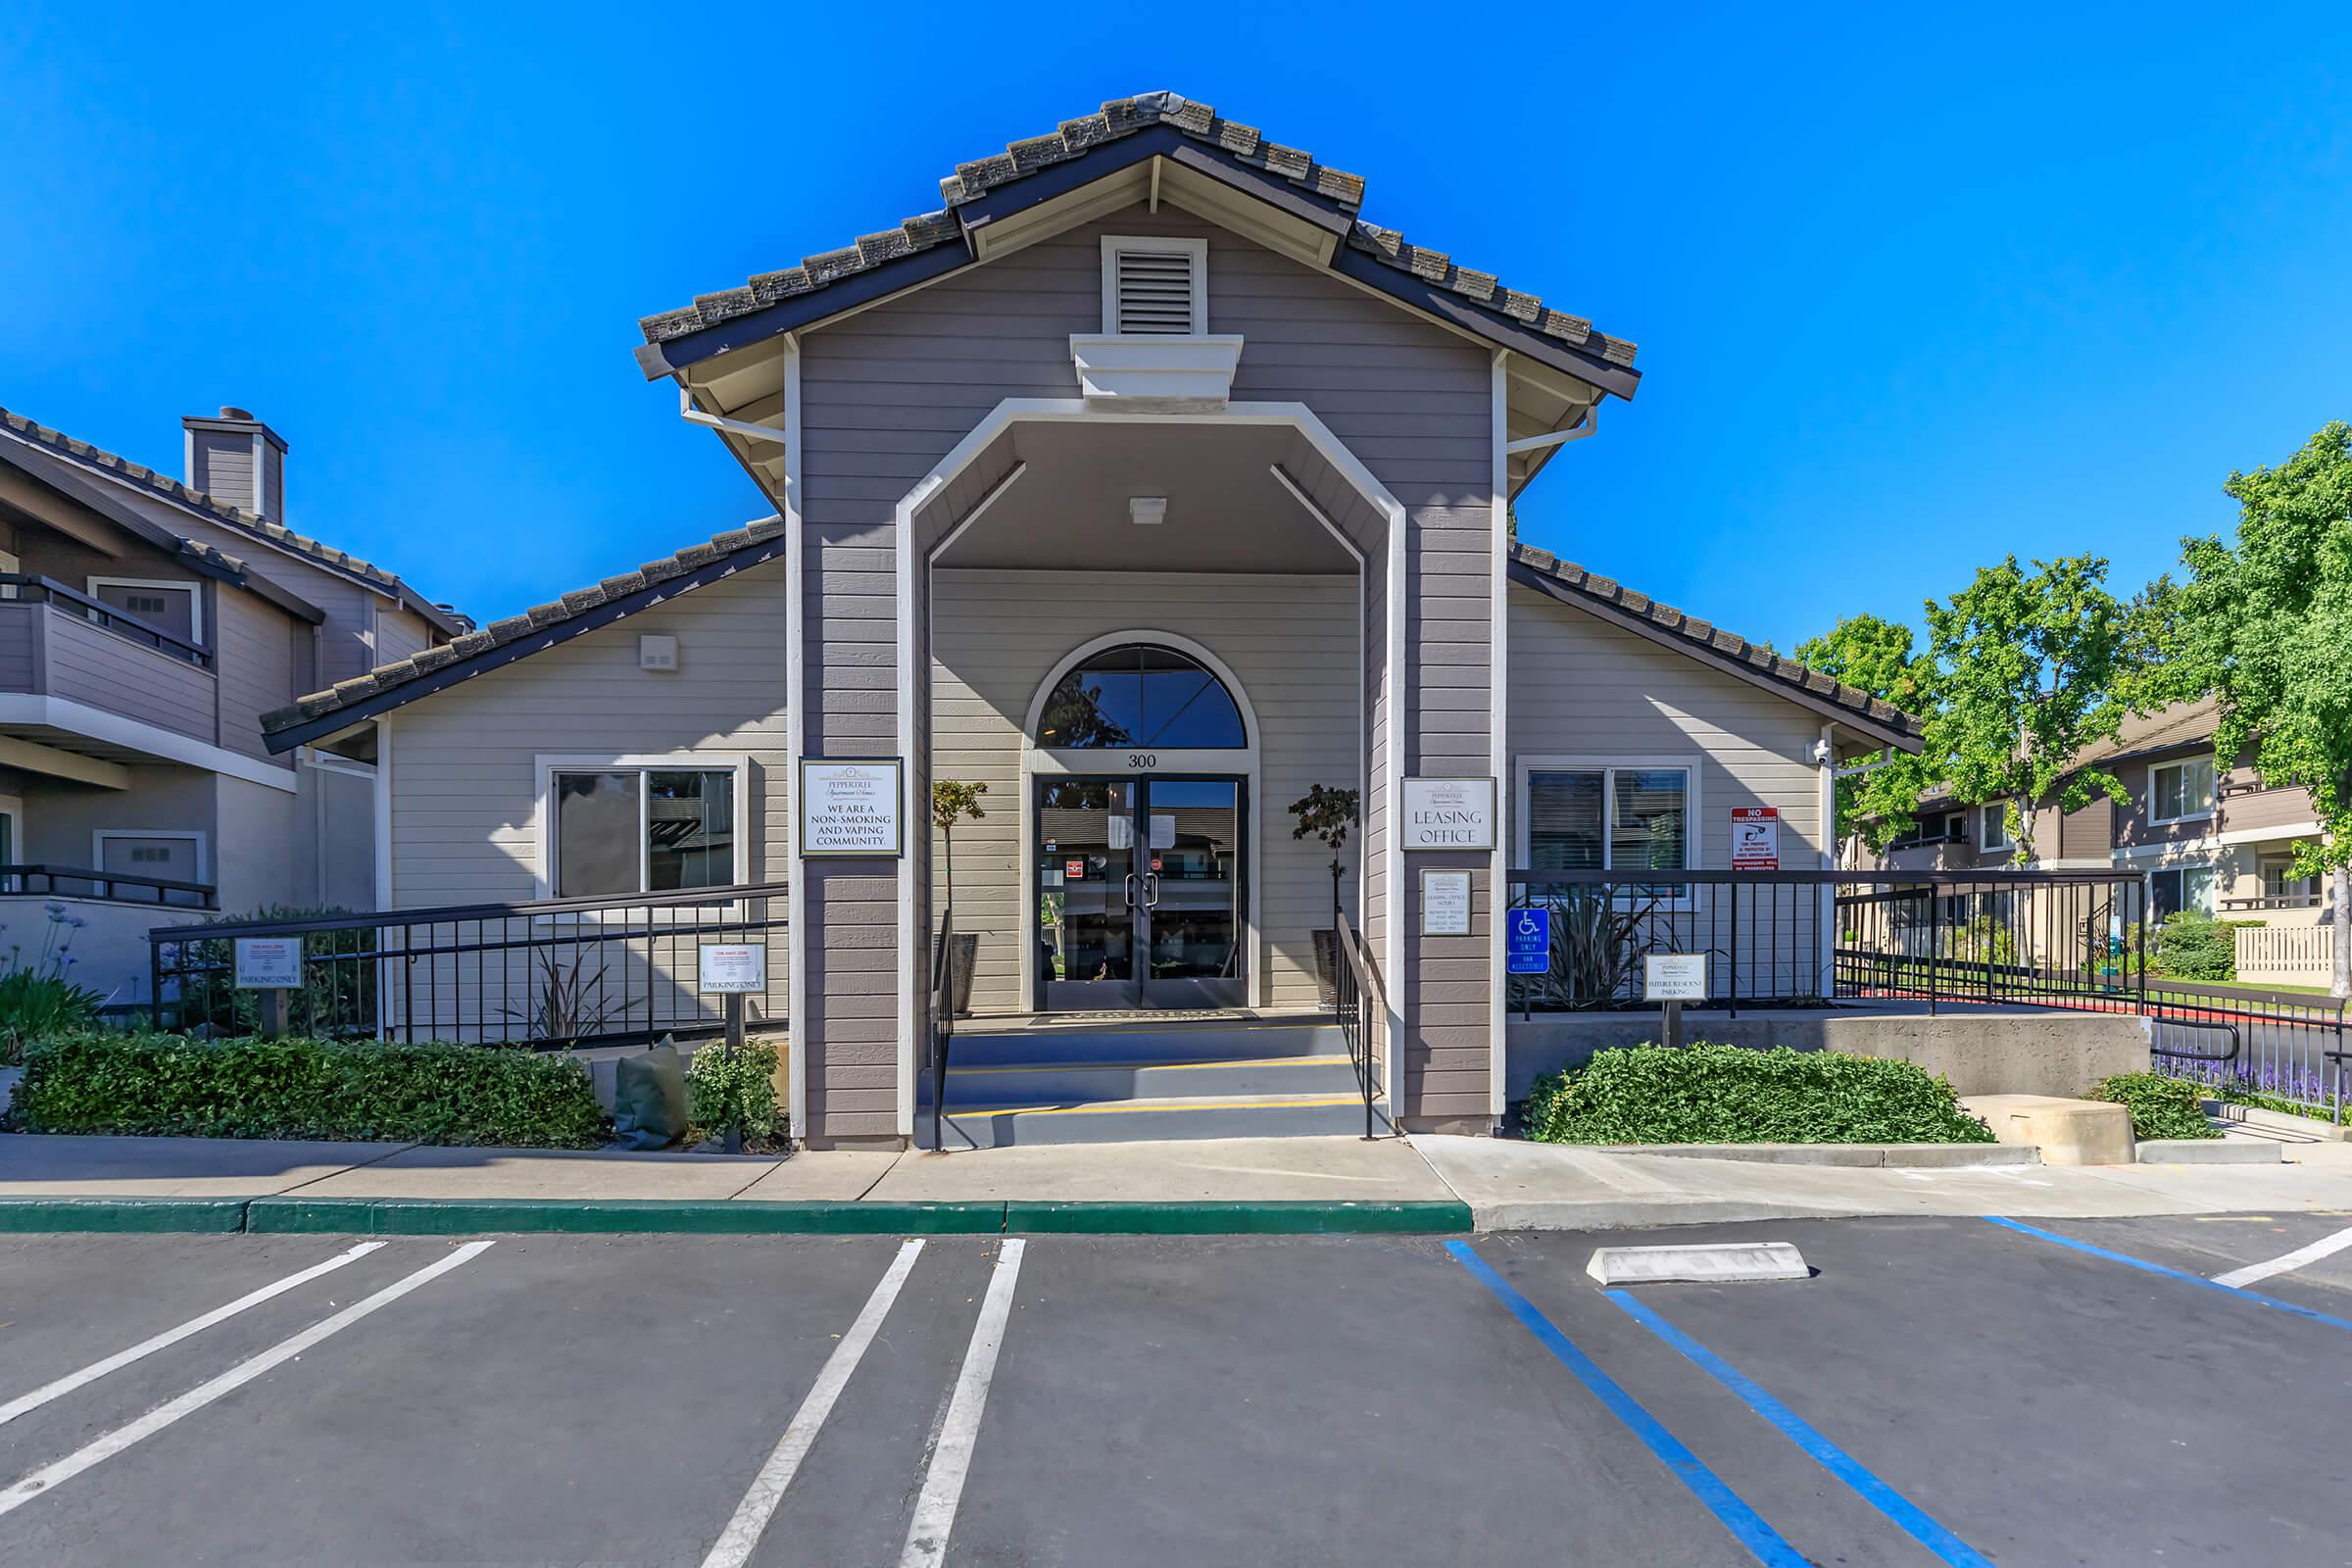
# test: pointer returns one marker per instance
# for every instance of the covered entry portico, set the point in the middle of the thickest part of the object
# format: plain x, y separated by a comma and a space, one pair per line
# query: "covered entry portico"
1147, 634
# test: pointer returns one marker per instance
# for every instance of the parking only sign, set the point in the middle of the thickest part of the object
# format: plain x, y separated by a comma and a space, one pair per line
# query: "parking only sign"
1527, 941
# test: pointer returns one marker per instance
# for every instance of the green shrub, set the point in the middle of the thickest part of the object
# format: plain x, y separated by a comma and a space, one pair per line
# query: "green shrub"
718, 1089
1710, 1093
2160, 1106
2190, 946
38, 1007
171, 1086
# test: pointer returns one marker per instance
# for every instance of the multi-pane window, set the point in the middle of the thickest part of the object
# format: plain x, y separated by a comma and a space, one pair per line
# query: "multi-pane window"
621, 830
2179, 791
1997, 827
1608, 818
2180, 888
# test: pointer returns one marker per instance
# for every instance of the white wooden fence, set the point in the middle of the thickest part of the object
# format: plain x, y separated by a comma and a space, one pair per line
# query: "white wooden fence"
2286, 954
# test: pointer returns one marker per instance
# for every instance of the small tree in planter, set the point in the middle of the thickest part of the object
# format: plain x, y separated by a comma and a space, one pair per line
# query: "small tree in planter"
954, 801
1328, 815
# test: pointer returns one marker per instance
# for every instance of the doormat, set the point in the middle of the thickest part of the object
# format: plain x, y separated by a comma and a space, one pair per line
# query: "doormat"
1144, 1016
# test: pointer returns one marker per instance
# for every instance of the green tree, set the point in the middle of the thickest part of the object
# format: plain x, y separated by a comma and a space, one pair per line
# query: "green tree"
2022, 672
954, 801
2264, 624
1873, 656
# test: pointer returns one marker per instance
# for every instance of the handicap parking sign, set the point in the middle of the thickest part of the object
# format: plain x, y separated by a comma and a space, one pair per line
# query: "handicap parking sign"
1528, 941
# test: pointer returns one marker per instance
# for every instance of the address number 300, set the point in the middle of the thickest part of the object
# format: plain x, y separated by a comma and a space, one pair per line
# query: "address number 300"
1143, 759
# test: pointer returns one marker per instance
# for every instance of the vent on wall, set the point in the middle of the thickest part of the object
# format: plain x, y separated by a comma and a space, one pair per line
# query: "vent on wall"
1155, 287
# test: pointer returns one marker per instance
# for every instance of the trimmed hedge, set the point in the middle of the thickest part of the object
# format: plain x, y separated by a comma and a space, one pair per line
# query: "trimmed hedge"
719, 1089
1710, 1093
171, 1085
2160, 1106
2190, 946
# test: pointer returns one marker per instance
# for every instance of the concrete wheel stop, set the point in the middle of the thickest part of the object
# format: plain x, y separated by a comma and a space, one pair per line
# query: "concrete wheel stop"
1717, 1263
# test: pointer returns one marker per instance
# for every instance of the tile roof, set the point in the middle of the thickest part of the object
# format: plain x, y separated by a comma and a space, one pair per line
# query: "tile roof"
1767, 665
489, 639
259, 528
1124, 116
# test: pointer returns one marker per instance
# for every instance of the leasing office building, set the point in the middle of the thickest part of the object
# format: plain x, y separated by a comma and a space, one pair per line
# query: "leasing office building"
1146, 483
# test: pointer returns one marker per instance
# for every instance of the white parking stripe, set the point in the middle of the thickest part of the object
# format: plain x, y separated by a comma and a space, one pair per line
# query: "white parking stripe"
2325, 1246
170, 1337
943, 1483
735, 1542
105, 1447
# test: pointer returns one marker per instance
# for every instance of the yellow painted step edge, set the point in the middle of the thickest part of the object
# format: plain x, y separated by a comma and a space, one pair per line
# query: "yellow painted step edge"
1153, 1066
1122, 1106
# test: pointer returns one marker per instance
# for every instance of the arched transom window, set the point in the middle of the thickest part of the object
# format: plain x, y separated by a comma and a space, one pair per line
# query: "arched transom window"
1140, 694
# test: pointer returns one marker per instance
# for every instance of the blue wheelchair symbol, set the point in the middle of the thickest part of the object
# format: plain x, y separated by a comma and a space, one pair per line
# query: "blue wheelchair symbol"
1527, 941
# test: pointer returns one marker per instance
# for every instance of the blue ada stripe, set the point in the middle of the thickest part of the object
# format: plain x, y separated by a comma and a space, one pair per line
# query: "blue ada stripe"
2146, 1266
1726, 1504
1914, 1520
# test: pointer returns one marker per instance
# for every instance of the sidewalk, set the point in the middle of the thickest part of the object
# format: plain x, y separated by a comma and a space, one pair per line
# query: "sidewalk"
1426, 1182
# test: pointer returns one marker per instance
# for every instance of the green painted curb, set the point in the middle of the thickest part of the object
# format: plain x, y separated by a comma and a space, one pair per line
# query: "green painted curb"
458, 1216
209, 1216
1290, 1219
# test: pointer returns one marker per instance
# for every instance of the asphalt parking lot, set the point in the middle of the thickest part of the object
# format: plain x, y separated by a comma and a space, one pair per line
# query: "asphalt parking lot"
1941, 1390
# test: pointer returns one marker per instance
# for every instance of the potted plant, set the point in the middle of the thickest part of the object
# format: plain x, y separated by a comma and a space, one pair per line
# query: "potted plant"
955, 800
1329, 814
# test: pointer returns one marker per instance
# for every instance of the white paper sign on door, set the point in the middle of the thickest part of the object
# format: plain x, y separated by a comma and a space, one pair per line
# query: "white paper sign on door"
1163, 831
1121, 832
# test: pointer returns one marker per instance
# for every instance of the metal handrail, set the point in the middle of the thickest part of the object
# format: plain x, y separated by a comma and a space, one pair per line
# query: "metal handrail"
20, 879
432, 914
942, 1020
12, 586
1355, 991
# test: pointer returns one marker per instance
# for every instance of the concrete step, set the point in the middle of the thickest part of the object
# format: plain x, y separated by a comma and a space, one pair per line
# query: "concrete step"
1060, 1083
1121, 1121
1230, 1042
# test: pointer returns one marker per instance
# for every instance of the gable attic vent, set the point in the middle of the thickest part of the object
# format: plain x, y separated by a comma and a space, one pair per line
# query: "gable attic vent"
1155, 287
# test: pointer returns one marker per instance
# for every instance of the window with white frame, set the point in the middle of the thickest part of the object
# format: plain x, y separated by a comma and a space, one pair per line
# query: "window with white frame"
2180, 888
1997, 827
2280, 884
1155, 286
1606, 817
654, 827
2181, 792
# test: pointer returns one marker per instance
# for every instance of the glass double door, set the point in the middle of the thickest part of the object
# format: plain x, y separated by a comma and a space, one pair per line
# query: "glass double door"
1139, 893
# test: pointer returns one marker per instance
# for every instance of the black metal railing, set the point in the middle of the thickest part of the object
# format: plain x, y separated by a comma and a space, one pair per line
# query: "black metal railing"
1815, 938
552, 973
21, 588
2274, 901
2286, 1047
110, 887
942, 1007
1361, 1006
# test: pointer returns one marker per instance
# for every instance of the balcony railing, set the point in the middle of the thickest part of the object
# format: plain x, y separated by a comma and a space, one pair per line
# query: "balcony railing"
110, 887
19, 588
2274, 901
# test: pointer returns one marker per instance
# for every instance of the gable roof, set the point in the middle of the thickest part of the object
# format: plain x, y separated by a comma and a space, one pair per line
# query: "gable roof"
1124, 130
535, 630
2175, 727
107, 464
66, 479
1729, 652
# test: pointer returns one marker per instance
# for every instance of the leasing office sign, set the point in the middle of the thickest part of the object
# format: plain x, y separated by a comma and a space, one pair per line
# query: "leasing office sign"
1449, 813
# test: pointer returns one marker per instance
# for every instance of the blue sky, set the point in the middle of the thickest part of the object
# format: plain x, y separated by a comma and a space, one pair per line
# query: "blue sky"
1911, 291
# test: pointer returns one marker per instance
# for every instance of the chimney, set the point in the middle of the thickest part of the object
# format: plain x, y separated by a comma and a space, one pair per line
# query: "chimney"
237, 460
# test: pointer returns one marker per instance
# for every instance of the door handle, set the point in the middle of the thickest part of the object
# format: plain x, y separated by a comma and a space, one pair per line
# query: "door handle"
1151, 890
1128, 887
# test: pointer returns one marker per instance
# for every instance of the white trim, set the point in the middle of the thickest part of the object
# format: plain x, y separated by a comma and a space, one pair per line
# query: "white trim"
1499, 680
1694, 816
796, 942
543, 824
1825, 834
97, 725
1118, 763
2213, 787
329, 762
1989, 814
195, 591
974, 516
195, 836
1076, 410
259, 510
11, 806
1554, 438
1193, 250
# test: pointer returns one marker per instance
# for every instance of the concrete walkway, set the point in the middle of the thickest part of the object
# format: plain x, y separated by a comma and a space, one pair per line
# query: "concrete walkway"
1508, 1184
